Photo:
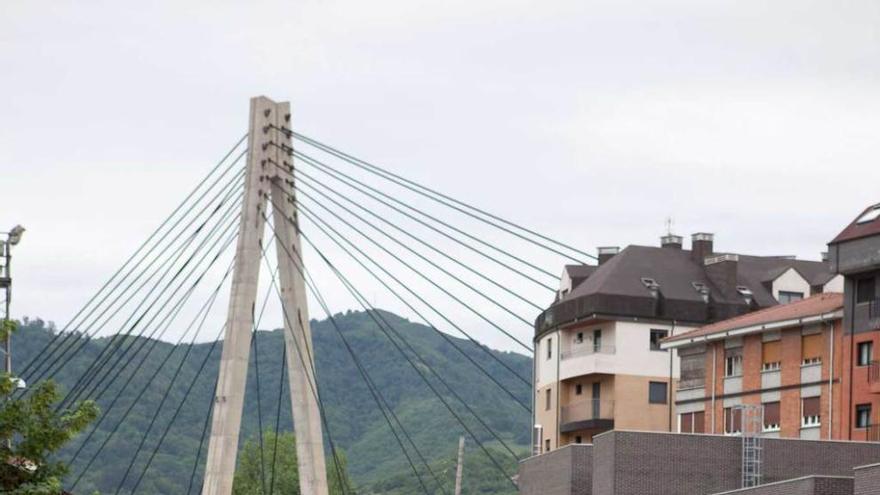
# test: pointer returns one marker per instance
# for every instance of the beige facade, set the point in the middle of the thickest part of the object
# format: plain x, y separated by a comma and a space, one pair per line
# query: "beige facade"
601, 374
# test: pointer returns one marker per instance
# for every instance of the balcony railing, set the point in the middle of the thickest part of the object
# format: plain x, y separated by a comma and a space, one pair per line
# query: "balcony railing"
874, 309
872, 433
874, 372
866, 315
587, 349
586, 410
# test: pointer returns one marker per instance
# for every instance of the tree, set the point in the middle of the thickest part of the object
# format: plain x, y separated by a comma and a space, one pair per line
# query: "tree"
31, 431
254, 473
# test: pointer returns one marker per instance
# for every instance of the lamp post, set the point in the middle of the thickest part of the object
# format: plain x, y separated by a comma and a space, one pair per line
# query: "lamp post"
12, 238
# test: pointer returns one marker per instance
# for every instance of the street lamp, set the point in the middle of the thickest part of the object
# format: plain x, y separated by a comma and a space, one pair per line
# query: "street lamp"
13, 237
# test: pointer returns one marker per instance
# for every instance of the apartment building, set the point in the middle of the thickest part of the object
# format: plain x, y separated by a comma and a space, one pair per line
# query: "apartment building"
855, 254
599, 363
786, 358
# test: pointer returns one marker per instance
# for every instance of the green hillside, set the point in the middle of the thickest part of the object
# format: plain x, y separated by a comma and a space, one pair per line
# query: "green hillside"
358, 428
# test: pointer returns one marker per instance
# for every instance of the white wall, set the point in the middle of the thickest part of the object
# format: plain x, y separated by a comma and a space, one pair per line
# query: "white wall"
791, 281
632, 356
546, 368
834, 285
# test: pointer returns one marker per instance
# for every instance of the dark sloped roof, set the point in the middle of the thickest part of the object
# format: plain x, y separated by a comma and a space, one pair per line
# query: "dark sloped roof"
856, 230
615, 287
812, 306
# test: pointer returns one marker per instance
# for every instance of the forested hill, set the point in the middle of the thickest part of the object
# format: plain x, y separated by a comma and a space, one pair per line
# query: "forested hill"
358, 428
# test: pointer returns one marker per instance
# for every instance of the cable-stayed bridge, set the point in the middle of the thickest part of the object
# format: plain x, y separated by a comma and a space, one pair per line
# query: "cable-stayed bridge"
278, 194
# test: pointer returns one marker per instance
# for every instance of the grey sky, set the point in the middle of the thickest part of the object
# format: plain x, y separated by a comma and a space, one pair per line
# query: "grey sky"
592, 121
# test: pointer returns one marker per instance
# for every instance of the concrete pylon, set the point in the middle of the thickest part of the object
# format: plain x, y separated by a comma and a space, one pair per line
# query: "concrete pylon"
267, 146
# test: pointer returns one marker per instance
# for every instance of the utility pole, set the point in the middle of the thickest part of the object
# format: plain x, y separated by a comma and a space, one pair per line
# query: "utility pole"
460, 467
12, 238
268, 148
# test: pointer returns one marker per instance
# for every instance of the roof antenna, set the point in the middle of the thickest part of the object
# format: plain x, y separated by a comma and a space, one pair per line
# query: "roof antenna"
669, 223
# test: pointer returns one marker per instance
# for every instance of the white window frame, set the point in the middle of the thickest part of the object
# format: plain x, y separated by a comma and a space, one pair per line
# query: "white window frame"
771, 428
811, 421
812, 361
737, 369
774, 366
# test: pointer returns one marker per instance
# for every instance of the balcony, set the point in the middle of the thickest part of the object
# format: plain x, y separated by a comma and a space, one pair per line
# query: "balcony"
585, 359
866, 315
872, 433
874, 377
590, 414
580, 350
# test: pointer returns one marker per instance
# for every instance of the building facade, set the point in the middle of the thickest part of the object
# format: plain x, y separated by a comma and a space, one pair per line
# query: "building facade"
599, 363
786, 360
855, 254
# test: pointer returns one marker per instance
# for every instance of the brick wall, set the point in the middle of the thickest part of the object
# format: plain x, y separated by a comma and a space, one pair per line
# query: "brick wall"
637, 463
565, 471
671, 464
811, 485
867, 480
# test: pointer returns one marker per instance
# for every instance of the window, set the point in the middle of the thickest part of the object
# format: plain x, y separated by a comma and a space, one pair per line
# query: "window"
549, 347
733, 364
597, 340
578, 389
657, 392
865, 353
732, 421
694, 422
811, 349
786, 297
810, 412
547, 445
866, 290
578, 439
547, 400
744, 291
863, 415
771, 355
656, 337
870, 215
579, 339
771, 416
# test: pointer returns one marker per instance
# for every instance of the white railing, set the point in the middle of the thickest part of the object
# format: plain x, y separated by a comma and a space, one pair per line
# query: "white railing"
587, 349
586, 410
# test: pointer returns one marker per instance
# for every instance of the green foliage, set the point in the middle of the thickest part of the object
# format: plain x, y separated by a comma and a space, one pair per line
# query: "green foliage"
357, 426
7, 328
255, 469
31, 431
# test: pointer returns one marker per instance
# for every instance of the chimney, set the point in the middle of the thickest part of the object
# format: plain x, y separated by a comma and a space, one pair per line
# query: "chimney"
722, 270
702, 246
671, 241
606, 253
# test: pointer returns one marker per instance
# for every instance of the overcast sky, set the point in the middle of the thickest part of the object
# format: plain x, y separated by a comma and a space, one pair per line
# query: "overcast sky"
592, 121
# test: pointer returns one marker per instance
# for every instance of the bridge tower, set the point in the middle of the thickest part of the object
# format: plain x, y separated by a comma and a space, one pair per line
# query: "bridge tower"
268, 149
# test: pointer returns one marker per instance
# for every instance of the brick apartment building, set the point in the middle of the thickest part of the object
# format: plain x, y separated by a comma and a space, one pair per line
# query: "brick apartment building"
855, 253
599, 364
810, 364
786, 358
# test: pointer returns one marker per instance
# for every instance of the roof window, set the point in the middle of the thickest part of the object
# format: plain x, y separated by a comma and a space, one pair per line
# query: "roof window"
870, 215
650, 283
745, 291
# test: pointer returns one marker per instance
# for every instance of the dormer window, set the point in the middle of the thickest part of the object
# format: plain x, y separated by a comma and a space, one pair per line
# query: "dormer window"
744, 291
650, 283
701, 289
870, 215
